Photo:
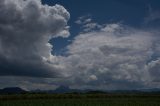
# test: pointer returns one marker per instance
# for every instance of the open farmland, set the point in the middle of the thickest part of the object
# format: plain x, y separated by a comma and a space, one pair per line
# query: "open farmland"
80, 100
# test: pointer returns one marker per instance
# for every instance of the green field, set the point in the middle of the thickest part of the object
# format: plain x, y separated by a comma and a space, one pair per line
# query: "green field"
80, 100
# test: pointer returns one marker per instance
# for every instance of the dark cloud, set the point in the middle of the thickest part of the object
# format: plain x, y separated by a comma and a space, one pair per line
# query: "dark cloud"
25, 29
154, 69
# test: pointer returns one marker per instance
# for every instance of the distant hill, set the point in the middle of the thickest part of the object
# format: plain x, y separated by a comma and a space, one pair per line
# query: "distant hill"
60, 89
66, 89
12, 90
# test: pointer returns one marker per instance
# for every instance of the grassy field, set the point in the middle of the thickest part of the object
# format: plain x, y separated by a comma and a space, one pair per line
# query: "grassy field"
80, 100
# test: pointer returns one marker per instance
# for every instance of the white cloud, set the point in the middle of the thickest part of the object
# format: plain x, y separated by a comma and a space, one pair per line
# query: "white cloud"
87, 24
93, 77
78, 22
83, 20
111, 28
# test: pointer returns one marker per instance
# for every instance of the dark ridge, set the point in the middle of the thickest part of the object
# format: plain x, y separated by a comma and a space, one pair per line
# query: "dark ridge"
12, 90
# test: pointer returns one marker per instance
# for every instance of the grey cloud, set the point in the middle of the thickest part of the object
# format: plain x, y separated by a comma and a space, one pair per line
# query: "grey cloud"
26, 26
154, 69
115, 57
112, 56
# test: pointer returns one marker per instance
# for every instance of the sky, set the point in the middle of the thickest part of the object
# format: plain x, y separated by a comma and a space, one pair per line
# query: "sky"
82, 44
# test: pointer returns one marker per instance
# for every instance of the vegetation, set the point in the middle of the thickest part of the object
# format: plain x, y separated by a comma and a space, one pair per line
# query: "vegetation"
80, 100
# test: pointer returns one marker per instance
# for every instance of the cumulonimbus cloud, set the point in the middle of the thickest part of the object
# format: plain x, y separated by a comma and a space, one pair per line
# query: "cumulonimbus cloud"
26, 26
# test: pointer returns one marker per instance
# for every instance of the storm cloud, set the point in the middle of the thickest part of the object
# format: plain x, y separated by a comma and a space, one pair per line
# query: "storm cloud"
107, 56
26, 26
